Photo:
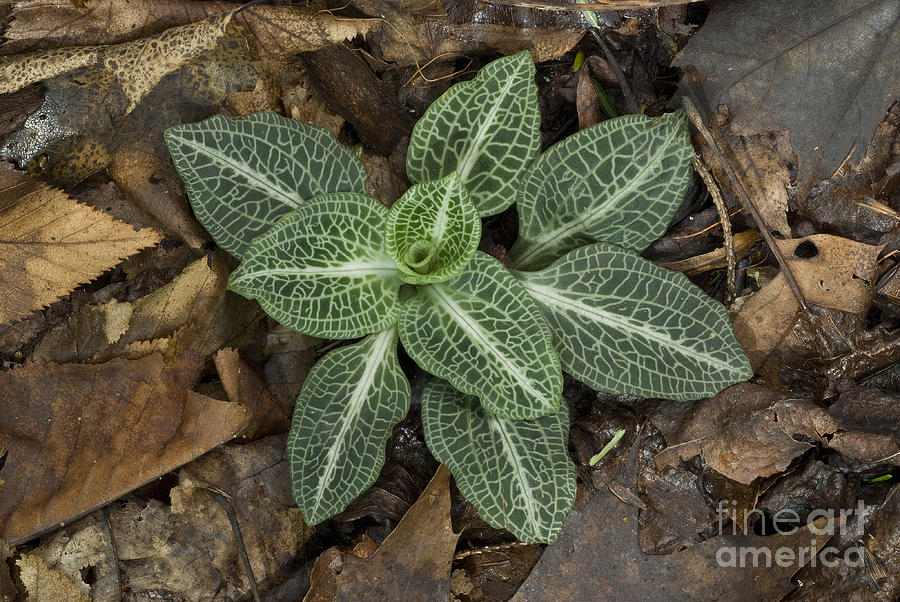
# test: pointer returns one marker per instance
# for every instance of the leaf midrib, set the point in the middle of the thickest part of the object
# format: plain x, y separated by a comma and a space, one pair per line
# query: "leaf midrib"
519, 472
468, 160
478, 335
567, 229
549, 296
379, 346
360, 270
254, 178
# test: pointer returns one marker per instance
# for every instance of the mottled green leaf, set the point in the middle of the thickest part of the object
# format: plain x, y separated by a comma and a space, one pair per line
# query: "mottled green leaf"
433, 231
242, 174
483, 333
322, 269
350, 401
619, 181
517, 473
624, 325
486, 129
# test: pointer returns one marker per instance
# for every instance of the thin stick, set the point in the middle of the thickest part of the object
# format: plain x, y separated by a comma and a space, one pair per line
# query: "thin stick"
115, 551
736, 185
620, 76
724, 218
227, 504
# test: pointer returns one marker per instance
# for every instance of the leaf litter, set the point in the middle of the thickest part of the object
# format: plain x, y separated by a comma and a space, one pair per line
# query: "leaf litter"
817, 430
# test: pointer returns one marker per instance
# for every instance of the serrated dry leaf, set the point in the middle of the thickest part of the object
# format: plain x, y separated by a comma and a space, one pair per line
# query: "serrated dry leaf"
138, 66
196, 299
80, 435
50, 244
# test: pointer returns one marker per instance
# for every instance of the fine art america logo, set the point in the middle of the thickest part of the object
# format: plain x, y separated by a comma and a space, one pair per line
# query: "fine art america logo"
821, 525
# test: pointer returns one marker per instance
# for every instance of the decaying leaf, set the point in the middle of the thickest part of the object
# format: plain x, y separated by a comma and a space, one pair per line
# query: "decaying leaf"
413, 563
831, 271
598, 557
274, 29
137, 66
195, 304
187, 549
244, 387
78, 436
748, 431
823, 71
50, 243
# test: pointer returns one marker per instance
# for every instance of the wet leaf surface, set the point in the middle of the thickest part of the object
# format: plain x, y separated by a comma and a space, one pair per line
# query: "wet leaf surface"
823, 71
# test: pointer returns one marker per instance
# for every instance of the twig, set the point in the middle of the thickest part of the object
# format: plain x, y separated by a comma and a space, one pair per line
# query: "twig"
620, 76
716, 195
227, 504
115, 551
736, 185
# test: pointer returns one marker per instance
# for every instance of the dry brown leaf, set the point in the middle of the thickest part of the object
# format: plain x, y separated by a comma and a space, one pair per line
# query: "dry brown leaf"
275, 29
587, 102
766, 177
748, 431
151, 183
138, 66
50, 243
832, 272
243, 386
45, 584
196, 298
413, 563
597, 557
188, 548
79, 435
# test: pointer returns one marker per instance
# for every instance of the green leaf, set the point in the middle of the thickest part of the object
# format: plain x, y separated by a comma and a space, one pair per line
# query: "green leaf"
242, 174
619, 181
487, 130
350, 401
433, 231
322, 269
624, 325
516, 472
483, 333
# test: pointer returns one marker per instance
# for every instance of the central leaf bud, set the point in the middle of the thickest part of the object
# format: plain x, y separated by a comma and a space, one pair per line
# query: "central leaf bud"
420, 256
432, 231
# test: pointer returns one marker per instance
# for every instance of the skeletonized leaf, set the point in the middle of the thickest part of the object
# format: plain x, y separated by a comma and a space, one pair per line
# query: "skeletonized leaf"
322, 269
620, 181
433, 231
516, 472
50, 244
137, 65
483, 333
624, 325
486, 129
243, 174
349, 404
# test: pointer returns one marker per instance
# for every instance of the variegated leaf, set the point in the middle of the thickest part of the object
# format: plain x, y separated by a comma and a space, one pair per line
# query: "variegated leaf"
350, 401
483, 333
433, 231
242, 174
486, 129
322, 269
517, 473
619, 181
624, 325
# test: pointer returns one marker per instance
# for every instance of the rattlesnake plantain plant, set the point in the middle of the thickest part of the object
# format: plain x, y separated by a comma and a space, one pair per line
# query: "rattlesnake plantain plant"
322, 258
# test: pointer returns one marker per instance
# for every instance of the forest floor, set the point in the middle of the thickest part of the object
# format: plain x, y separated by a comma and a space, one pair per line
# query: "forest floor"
144, 409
